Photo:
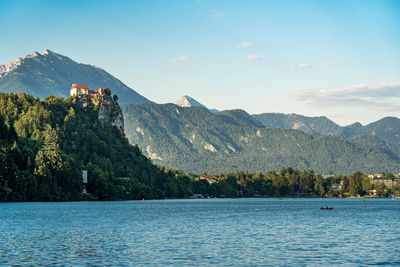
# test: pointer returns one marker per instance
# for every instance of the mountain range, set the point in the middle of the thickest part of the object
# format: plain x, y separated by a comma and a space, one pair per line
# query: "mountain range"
49, 73
187, 135
196, 140
387, 128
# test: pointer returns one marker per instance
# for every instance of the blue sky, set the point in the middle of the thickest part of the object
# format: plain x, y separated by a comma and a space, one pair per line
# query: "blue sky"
339, 59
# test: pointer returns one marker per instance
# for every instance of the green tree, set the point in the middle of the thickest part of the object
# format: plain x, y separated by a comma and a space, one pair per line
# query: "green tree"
355, 187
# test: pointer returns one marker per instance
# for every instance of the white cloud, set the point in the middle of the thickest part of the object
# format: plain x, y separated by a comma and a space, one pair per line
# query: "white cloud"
305, 65
302, 66
254, 56
325, 64
179, 59
244, 44
384, 96
216, 13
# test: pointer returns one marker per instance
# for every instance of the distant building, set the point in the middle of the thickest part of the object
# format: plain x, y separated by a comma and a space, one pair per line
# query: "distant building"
207, 178
337, 187
78, 89
84, 180
372, 192
378, 175
84, 177
386, 181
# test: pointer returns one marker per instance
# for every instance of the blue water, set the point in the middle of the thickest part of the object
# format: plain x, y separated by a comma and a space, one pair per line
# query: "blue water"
245, 232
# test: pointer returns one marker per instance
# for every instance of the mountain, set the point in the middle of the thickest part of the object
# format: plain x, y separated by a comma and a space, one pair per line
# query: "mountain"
50, 73
375, 142
312, 125
196, 140
387, 129
187, 101
240, 118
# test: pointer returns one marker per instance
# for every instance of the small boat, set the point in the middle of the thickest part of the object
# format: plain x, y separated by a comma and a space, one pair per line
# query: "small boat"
326, 208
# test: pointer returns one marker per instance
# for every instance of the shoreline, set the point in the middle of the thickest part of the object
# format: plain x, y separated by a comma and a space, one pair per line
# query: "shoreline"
214, 198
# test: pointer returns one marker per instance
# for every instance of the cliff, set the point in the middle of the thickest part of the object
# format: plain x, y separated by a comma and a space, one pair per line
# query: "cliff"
109, 112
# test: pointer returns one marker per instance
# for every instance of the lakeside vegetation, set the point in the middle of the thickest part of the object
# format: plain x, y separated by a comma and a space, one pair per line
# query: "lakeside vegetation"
289, 182
44, 146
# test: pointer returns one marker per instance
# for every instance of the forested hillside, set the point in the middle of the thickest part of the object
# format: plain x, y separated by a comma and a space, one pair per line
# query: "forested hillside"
311, 125
44, 145
387, 129
197, 140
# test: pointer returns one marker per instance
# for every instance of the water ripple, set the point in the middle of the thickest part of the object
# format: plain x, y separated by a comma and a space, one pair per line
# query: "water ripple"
245, 232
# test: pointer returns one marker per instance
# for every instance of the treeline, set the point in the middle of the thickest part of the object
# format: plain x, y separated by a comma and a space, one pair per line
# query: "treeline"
291, 183
45, 145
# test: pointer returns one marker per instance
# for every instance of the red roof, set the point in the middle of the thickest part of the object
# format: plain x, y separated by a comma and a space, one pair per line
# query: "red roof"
100, 91
90, 92
79, 86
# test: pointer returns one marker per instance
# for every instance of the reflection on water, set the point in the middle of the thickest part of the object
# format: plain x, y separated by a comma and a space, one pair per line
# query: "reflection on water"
201, 232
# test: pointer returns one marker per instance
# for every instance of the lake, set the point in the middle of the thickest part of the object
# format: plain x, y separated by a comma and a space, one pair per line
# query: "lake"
245, 232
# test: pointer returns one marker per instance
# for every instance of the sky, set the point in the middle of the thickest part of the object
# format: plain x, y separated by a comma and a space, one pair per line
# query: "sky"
333, 58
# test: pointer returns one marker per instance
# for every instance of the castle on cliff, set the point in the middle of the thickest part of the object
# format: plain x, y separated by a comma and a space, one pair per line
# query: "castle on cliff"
78, 89
108, 110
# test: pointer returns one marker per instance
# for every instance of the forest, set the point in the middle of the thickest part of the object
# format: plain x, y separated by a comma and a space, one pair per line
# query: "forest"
45, 145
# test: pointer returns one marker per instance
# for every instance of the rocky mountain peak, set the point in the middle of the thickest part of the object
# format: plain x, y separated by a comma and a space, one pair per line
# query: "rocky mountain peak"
47, 52
34, 54
49, 73
188, 101
5, 69
13, 65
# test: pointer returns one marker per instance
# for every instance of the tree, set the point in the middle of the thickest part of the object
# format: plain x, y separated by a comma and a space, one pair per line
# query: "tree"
366, 184
319, 186
381, 189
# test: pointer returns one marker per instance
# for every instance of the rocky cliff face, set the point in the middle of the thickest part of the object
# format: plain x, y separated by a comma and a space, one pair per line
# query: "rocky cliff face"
109, 112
